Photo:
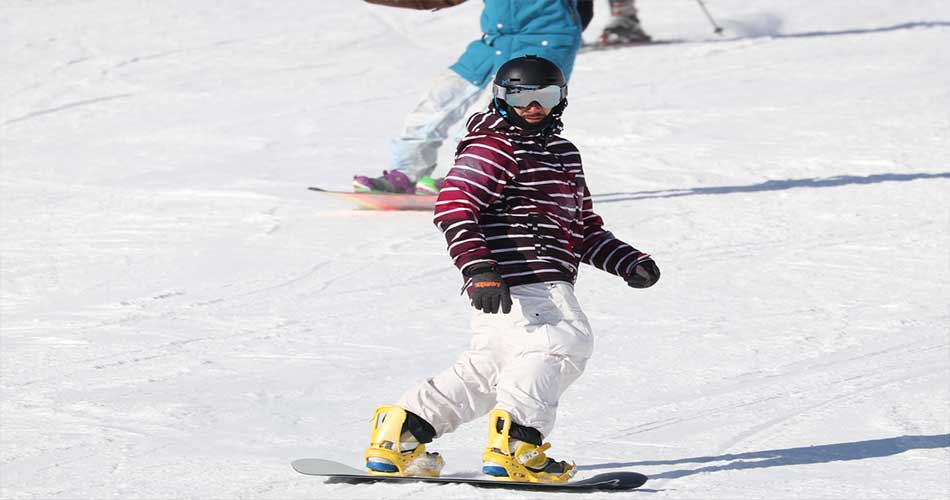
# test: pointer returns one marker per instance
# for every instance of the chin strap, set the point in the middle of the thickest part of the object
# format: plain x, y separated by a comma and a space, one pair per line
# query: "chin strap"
500, 107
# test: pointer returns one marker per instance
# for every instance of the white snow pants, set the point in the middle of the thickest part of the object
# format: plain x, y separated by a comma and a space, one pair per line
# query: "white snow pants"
519, 362
427, 126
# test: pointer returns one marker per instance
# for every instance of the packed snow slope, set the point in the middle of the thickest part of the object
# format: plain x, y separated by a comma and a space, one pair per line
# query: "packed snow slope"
181, 318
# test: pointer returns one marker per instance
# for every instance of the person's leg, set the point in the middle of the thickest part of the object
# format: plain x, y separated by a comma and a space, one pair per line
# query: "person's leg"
479, 105
433, 407
427, 126
556, 342
530, 388
462, 393
559, 343
467, 390
623, 8
624, 25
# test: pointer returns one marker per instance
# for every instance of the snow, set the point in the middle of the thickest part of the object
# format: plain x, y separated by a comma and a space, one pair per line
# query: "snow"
181, 318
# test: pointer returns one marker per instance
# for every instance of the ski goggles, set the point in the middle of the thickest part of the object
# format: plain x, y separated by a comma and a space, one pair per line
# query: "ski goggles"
521, 96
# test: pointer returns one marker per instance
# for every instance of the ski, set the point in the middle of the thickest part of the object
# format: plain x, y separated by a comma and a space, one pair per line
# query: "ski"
599, 46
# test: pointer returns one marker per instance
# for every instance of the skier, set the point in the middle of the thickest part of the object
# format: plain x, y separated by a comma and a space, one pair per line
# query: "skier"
551, 29
518, 219
624, 25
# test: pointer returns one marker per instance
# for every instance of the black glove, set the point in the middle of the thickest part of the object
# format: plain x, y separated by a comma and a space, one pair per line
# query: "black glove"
644, 274
489, 290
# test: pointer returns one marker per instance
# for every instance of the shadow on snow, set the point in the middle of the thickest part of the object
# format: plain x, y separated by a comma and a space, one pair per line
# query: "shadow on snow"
859, 450
774, 185
769, 26
897, 27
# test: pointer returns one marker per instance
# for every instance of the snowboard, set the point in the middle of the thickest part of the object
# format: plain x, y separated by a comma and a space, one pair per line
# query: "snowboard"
336, 472
384, 201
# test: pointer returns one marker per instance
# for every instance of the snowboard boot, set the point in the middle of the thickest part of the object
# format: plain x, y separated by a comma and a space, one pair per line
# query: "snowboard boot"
392, 181
428, 185
624, 25
395, 449
515, 453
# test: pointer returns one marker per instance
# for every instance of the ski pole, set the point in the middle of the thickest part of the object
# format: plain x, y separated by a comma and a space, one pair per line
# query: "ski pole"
718, 29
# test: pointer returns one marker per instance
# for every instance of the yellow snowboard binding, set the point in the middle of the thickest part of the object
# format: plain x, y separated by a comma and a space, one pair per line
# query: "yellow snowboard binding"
507, 459
396, 452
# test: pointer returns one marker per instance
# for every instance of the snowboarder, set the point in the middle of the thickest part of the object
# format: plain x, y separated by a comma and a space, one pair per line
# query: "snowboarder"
511, 28
518, 219
624, 25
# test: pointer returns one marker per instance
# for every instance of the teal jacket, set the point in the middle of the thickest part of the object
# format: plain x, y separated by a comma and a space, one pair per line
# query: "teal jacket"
512, 28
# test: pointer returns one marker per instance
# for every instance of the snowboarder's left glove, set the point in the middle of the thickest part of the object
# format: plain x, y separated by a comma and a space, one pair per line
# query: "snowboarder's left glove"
644, 274
489, 291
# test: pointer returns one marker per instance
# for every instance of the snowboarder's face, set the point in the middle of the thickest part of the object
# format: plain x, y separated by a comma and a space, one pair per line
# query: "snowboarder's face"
533, 113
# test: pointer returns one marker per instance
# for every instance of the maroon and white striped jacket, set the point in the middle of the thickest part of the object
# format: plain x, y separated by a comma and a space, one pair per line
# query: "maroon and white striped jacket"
517, 199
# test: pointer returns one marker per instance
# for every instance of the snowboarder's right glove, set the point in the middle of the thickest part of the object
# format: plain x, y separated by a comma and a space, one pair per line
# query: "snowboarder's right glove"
644, 274
489, 291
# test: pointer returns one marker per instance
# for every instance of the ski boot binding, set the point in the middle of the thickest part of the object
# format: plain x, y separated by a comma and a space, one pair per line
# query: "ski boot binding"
511, 459
395, 451
624, 30
392, 181
428, 185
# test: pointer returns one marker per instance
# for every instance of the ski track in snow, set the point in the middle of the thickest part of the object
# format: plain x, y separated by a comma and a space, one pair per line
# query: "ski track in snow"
180, 318
63, 107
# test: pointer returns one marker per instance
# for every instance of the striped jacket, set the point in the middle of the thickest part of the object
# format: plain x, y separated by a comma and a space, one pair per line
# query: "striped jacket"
518, 200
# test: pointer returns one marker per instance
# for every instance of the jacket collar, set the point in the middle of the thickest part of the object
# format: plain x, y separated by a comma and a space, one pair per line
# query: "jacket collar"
494, 121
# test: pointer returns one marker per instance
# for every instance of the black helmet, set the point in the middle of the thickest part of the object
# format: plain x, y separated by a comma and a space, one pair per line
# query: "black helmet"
530, 70
523, 80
